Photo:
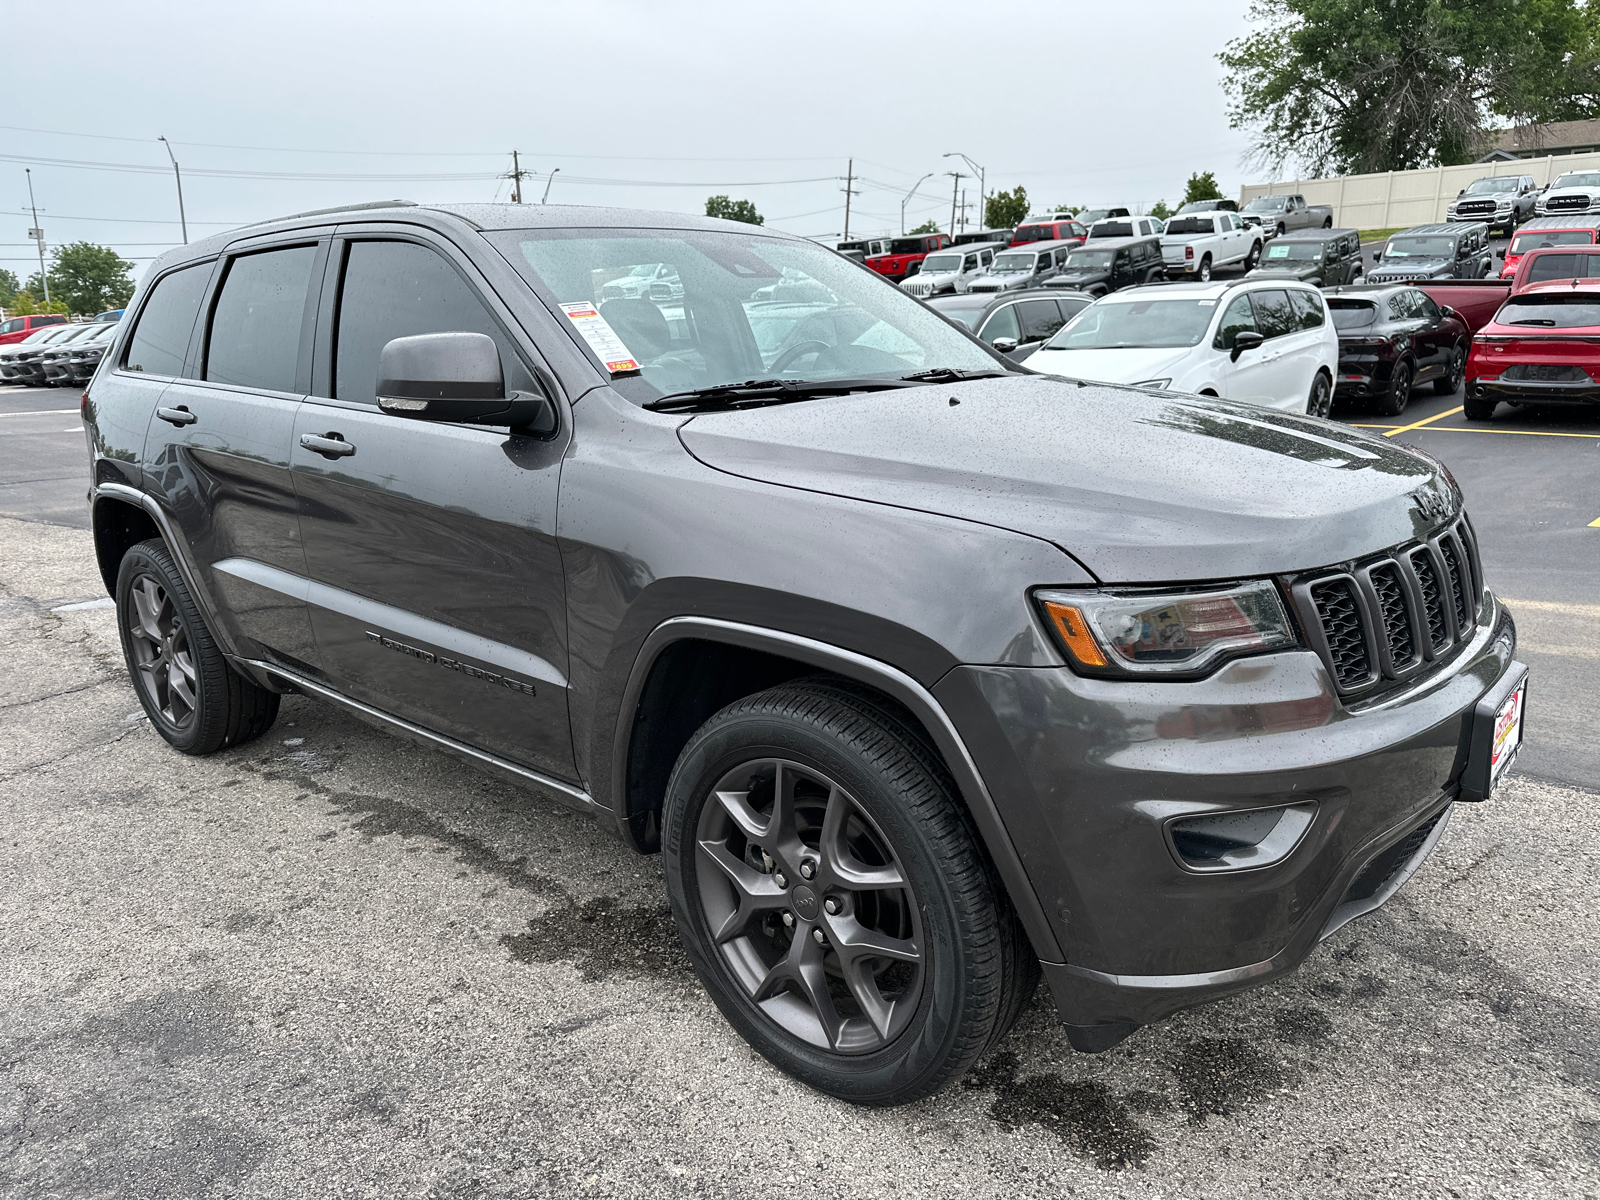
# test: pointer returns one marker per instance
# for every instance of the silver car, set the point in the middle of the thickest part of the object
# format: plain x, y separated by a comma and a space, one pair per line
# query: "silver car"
951, 271
1023, 267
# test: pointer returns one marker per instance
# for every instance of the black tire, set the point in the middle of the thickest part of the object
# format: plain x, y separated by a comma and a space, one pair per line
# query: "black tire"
969, 971
1327, 223
1398, 396
202, 705
1203, 273
1447, 384
1320, 402
1254, 257
1478, 408
1279, 231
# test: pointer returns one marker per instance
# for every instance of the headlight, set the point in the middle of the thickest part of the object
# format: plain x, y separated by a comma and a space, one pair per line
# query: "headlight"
1157, 384
1171, 634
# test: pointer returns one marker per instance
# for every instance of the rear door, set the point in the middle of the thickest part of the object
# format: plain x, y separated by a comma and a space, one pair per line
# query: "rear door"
217, 449
1290, 353
437, 592
1249, 377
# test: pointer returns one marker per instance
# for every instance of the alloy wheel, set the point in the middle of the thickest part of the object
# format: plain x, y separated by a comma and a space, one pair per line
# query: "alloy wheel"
162, 658
1321, 397
807, 903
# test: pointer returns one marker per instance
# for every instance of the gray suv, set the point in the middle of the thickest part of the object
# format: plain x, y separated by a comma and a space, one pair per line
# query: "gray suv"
926, 673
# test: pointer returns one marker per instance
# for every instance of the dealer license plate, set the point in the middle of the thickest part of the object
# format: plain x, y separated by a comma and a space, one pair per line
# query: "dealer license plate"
1507, 733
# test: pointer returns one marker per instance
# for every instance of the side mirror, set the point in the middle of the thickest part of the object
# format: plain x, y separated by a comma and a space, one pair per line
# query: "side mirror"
1446, 311
1461, 193
1005, 345
1500, 253
455, 377
1245, 339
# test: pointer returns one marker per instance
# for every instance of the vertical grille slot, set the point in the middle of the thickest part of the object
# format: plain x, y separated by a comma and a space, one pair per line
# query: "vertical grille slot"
1432, 598
1340, 613
1391, 591
1458, 584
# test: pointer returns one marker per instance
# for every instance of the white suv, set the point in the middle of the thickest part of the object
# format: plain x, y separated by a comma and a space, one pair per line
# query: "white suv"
951, 270
1266, 342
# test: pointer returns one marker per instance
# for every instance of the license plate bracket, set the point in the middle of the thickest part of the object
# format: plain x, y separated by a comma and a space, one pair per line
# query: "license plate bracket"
1497, 731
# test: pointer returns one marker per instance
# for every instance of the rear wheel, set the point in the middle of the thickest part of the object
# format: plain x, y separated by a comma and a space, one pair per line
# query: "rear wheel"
1478, 408
1251, 259
1399, 394
1447, 384
1204, 273
1320, 402
192, 696
834, 898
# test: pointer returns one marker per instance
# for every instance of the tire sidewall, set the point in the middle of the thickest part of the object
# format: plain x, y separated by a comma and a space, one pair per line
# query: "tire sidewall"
139, 561
925, 1044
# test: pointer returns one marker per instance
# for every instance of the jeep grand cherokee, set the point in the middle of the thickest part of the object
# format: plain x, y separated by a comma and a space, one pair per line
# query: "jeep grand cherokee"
925, 672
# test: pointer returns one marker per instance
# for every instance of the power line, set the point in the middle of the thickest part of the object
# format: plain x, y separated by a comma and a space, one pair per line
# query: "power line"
20, 212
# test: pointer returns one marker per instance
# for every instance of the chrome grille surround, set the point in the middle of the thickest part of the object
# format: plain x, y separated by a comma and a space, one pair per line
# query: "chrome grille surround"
1389, 620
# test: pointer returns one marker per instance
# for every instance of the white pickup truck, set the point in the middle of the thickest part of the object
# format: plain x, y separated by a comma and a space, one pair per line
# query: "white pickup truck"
1194, 245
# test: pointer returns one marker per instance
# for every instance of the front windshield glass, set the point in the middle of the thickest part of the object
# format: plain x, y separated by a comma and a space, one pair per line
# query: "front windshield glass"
1195, 206
1420, 247
1294, 252
742, 307
1524, 242
1012, 262
1479, 187
1088, 260
1581, 311
1352, 314
1139, 323
1265, 204
1090, 215
1578, 179
941, 262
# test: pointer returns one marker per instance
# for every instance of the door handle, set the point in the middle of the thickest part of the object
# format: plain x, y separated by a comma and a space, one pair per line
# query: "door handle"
329, 445
178, 416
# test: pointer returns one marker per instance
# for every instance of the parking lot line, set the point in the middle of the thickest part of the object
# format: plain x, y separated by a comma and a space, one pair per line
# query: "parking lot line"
1425, 421
1595, 524
1475, 429
1585, 612
41, 412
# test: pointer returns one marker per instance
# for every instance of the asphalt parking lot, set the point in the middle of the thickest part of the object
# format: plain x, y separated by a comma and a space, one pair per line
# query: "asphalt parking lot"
330, 963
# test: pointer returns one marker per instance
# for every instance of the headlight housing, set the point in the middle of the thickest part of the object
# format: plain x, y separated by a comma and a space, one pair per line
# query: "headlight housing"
1167, 634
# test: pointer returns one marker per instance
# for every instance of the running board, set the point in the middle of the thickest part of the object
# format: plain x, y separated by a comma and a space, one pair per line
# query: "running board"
566, 793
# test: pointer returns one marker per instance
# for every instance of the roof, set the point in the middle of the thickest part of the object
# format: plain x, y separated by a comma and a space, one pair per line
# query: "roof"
1363, 291
1317, 235
1113, 243
986, 299
1554, 138
1564, 286
1214, 290
1576, 221
1453, 229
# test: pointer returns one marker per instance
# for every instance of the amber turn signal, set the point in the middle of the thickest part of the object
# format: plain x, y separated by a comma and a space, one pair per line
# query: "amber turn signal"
1074, 633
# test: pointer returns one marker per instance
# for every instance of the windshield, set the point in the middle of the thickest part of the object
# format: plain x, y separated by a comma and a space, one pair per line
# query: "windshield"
1480, 187
1090, 215
1139, 323
941, 262
1088, 260
743, 307
1192, 225
1195, 206
1580, 311
1295, 251
1578, 179
1420, 247
1265, 204
1352, 314
1524, 242
1012, 262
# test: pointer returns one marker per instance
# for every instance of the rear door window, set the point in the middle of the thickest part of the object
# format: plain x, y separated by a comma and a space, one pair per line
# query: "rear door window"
1274, 315
166, 323
256, 324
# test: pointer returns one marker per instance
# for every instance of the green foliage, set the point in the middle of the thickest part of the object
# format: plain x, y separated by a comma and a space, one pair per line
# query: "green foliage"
1006, 210
23, 304
1160, 211
8, 288
86, 279
927, 227
1353, 86
1201, 186
733, 210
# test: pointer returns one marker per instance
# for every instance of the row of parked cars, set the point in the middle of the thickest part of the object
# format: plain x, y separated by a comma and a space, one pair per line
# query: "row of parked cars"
58, 354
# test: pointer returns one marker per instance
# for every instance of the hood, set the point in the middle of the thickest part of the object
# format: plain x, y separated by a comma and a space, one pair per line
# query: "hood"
1126, 366
1411, 268
1140, 487
1308, 271
1084, 274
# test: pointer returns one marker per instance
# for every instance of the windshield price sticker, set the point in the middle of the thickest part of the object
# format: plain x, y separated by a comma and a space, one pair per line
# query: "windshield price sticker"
602, 339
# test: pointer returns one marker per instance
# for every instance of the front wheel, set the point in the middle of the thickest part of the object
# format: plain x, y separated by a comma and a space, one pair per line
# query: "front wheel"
1399, 394
1447, 384
1320, 402
833, 897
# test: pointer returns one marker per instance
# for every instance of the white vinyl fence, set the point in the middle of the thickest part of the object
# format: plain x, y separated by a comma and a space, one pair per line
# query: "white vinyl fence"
1397, 199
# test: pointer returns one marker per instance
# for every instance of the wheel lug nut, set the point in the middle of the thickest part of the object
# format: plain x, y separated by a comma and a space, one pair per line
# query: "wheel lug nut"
831, 904
781, 879
820, 937
788, 920
808, 868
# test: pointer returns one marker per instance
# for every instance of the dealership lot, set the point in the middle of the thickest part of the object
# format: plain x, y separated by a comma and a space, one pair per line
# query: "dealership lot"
331, 963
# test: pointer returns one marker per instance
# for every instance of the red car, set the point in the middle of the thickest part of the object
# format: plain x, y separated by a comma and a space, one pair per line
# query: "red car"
18, 328
906, 251
1549, 231
1565, 263
1050, 229
1543, 347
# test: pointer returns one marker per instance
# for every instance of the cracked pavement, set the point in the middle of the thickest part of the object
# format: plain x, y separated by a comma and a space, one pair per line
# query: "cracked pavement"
333, 963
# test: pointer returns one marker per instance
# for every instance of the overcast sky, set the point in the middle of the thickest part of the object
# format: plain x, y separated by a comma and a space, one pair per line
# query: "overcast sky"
648, 105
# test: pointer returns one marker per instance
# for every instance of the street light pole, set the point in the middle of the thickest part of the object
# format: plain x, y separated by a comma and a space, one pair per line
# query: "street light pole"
38, 238
907, 200
551, 178
178, 175
983, 205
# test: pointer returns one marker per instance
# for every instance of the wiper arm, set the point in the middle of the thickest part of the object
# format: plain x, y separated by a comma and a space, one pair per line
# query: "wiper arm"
949, 375
766, 391
1534, 321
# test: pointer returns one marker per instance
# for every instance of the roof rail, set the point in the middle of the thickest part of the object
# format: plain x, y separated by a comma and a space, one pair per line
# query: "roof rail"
322, 212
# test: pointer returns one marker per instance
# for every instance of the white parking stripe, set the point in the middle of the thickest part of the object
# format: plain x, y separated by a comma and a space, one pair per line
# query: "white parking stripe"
41, 412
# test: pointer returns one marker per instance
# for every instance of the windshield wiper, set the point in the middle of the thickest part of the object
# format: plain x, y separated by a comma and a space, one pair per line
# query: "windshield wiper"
950, 375
754, 392
1533, 321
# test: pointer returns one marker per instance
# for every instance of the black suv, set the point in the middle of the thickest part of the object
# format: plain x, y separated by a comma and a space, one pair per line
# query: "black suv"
1110, 264
1450, 251
1324, 257
925, 672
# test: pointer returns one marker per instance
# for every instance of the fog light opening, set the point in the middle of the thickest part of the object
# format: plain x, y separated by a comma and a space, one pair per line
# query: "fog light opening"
1240, 841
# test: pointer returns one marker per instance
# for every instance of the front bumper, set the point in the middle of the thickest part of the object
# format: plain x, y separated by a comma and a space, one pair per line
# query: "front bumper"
1088, 773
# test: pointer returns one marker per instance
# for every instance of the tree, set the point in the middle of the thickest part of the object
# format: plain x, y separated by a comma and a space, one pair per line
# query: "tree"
1201, 186
1006, 210
8, 288
733, 210
927, 227
23, 304
89, 278
1160, 211
1387, 85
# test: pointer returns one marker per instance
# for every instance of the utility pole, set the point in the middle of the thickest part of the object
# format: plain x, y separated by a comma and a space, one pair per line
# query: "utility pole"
37, 235
955, 190
849, 190
176, 174
983, 191
516, 178
549, 179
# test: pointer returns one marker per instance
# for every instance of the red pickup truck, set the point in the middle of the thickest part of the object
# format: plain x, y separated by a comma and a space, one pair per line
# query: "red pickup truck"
906, 254
1542, 347
18, 328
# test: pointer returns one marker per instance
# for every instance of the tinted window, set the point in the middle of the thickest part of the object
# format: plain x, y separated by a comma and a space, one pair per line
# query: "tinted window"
1114, 229
397, 289
1002, 324
1524, 242
1424, 306
1353, 314
1564, 266
162, 335
1238, 318
1561, 312
14, 324
255, 327
1040, 319
1274, 317
1307, 310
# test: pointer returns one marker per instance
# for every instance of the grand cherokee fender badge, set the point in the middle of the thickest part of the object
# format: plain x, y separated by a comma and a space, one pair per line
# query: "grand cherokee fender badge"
451, 664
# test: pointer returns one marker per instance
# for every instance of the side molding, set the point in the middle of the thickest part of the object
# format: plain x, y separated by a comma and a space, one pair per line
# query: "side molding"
887, 678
